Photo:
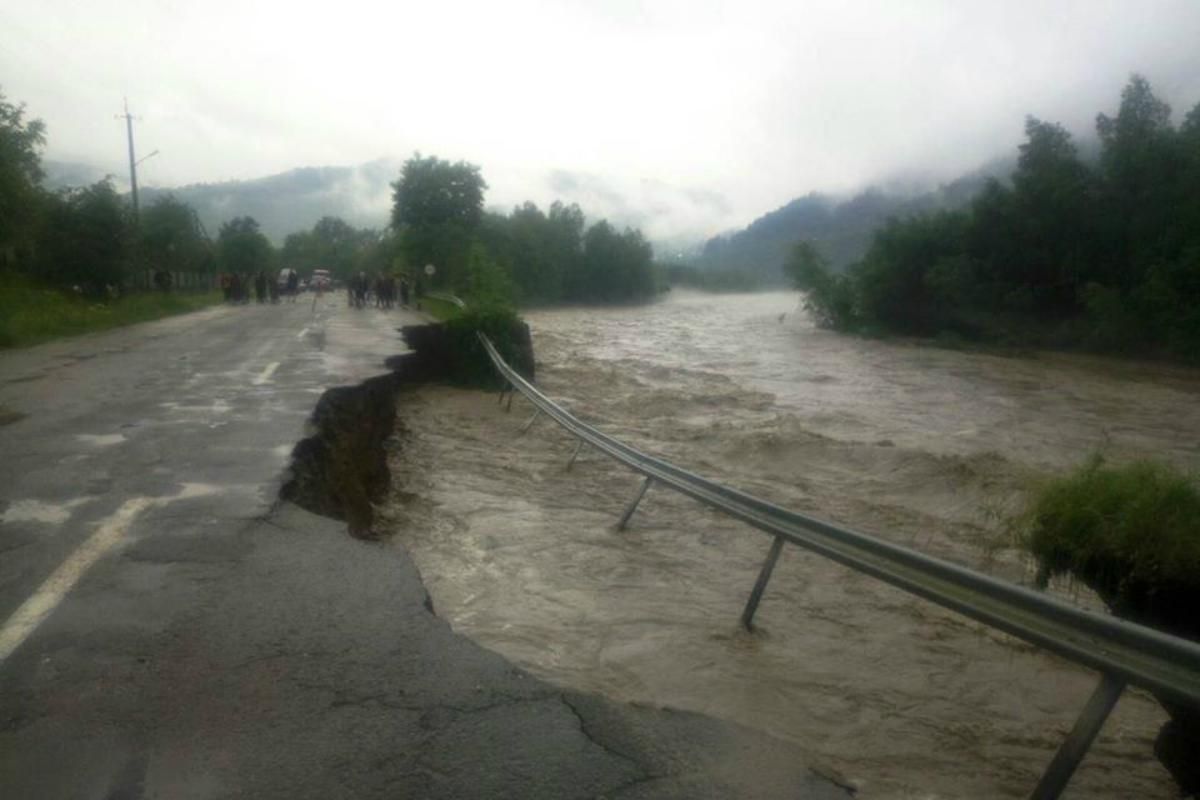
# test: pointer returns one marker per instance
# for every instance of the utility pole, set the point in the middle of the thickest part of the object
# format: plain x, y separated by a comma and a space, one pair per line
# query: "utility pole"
132, 162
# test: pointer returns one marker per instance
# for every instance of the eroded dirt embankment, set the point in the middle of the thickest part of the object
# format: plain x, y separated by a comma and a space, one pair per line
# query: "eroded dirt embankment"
341, 470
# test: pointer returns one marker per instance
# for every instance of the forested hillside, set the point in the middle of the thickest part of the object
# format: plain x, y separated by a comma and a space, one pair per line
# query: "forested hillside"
294, 199
841, 230
1101, 253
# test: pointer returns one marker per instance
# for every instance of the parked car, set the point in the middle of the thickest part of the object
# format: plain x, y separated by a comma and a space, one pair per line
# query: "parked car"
320, 280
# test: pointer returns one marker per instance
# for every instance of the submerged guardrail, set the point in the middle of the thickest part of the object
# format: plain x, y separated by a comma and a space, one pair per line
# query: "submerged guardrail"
1122, 652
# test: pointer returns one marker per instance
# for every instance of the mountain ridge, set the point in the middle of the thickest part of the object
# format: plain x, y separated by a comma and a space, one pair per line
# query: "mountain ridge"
841, 229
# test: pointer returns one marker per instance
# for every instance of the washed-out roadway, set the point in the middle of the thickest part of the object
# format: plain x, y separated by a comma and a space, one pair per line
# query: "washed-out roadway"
169, 629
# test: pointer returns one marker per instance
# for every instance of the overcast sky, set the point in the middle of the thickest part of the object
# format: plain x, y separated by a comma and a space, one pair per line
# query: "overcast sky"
703, 114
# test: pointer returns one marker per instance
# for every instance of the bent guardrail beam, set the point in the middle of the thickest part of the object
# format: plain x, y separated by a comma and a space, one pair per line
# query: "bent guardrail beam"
1123, 652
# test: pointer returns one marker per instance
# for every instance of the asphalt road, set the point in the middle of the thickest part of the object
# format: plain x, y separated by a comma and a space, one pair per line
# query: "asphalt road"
169, 629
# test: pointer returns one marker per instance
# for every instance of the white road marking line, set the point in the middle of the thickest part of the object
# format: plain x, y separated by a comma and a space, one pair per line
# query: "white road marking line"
111, 533
266, 374
34, 610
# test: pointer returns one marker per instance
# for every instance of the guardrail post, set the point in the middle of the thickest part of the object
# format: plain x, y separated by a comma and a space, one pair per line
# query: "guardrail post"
1076, 745
525, 428
575, 455
505, 387
633, 506
760, 585
511, 392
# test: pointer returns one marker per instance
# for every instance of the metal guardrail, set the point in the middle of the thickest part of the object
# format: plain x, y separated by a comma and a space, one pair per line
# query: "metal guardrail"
447, 298
1124, 653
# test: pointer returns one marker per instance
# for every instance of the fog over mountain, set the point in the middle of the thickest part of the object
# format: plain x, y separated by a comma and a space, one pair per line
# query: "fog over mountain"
686, 118
362, 195
839, 227
674, 219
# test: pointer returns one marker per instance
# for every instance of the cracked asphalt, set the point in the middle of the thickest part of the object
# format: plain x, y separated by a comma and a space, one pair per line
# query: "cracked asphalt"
171, 630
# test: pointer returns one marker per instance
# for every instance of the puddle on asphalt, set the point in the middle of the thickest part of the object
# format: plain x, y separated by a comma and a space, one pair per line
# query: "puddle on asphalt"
39, 511
191, 490
218, 406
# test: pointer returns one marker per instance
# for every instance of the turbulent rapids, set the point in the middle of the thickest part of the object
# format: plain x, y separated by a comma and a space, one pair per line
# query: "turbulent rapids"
931, 448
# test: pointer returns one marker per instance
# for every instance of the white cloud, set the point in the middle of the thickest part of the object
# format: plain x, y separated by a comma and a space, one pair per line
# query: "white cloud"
752, 102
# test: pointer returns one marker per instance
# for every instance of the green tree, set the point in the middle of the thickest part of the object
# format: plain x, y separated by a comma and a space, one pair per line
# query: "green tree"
489, 285
174, 239
615, 266
242, 248
828, 297
336, 243
532, 257
437, 207
1141, 166
1051, 198
86, 239
337, 246
21, 141
564, 242
896, 284
806, 267
1188, 178
300, 252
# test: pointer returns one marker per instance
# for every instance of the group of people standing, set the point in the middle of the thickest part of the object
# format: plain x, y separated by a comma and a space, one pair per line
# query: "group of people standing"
384, 289
238, 287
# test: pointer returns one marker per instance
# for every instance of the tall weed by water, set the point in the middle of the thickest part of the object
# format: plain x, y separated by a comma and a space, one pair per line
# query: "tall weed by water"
1130, 531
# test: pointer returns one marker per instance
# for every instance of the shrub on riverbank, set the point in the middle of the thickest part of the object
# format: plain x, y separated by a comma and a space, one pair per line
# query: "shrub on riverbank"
1131, 532
490, 310
508, 333
30, 314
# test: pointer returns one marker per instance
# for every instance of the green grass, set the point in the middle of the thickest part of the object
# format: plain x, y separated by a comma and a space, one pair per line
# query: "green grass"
31, 314
1131, 532
439, 309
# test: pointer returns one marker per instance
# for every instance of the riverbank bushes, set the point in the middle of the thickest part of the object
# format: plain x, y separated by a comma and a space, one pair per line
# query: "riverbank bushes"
470, 365
1101, 253
1131, 532
488, 309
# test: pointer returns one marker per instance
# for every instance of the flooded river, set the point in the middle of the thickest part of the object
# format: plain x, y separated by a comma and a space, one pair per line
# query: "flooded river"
924, 446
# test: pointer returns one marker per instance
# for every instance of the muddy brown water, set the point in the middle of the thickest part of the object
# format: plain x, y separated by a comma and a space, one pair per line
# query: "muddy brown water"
928, 447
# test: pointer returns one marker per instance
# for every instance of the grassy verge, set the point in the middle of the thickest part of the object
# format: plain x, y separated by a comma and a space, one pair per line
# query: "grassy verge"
30, 314
1131, 532
439, 309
